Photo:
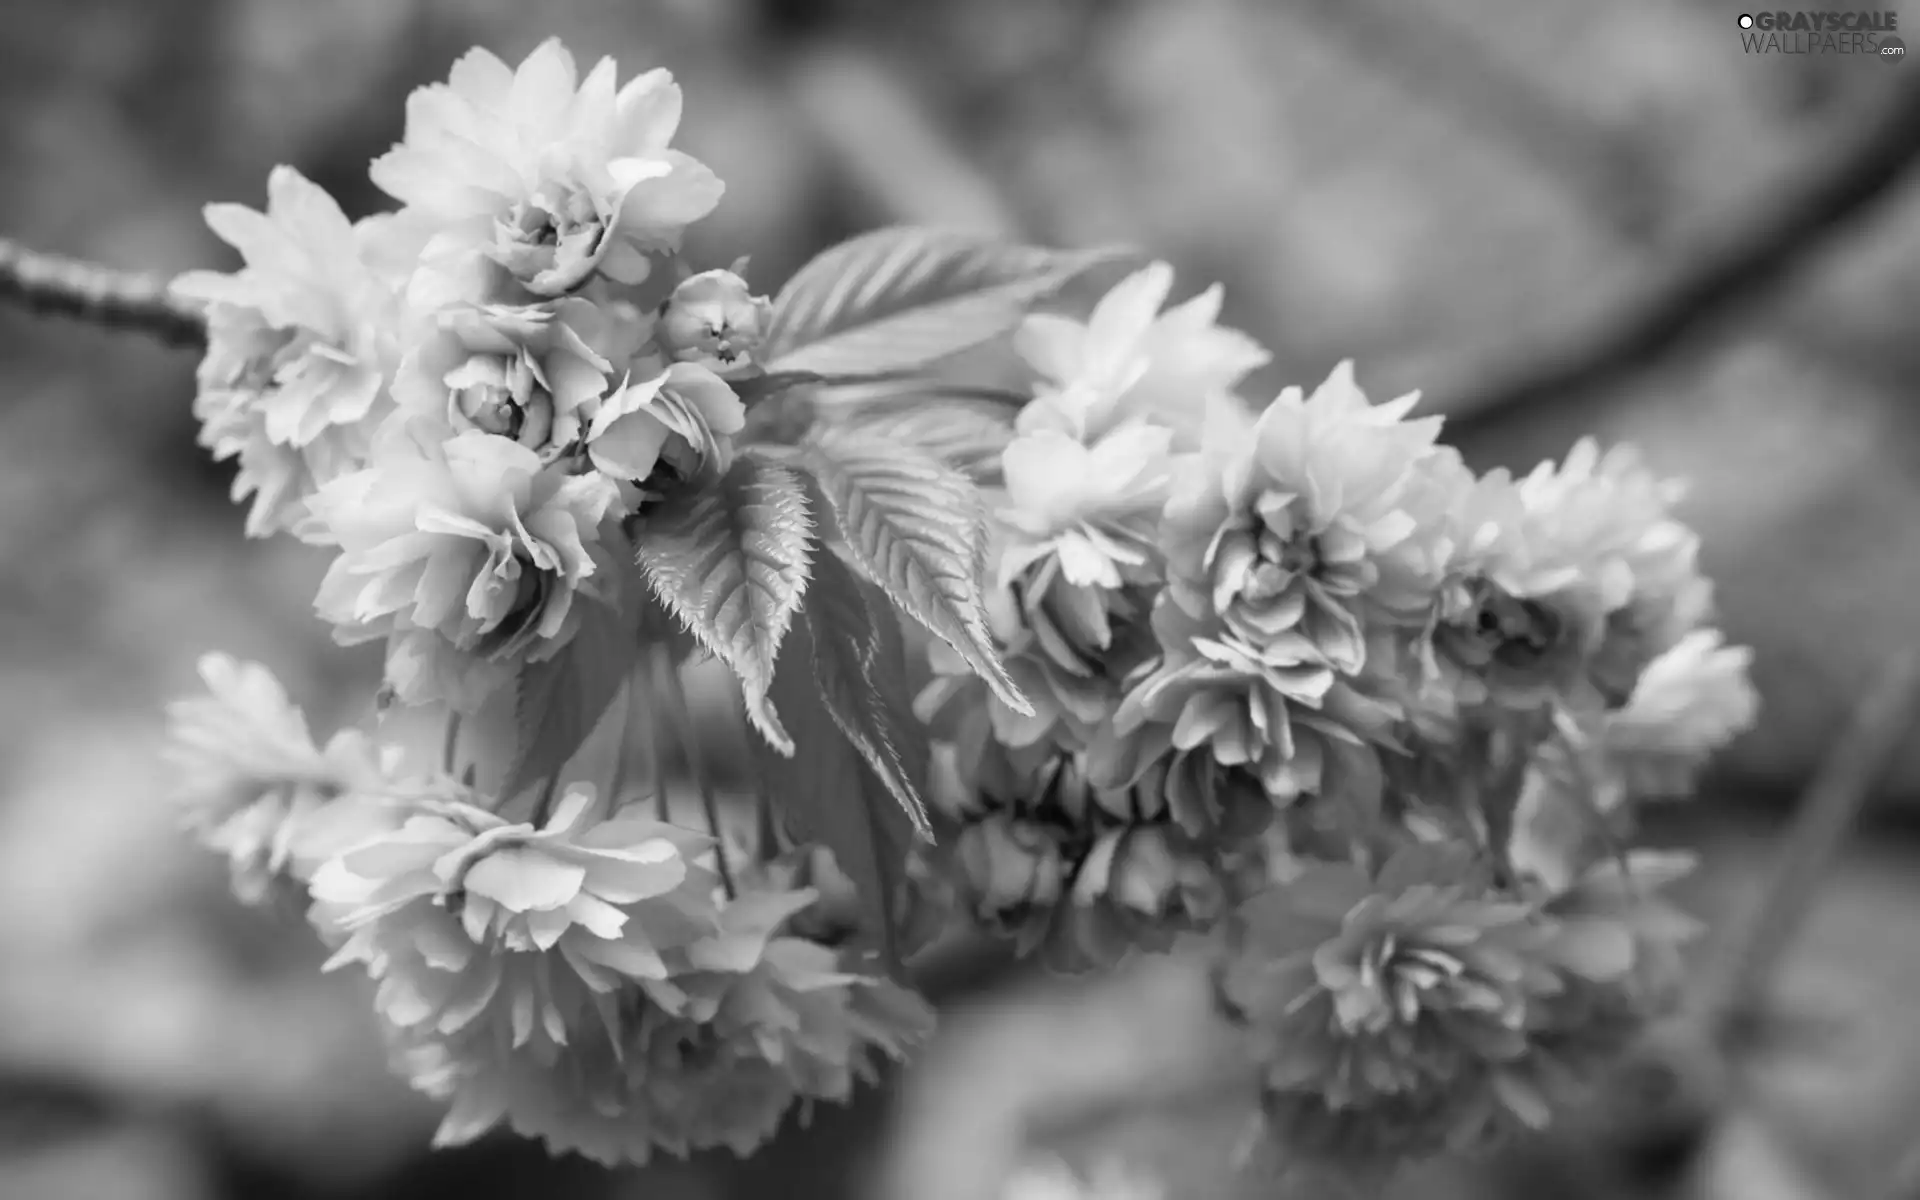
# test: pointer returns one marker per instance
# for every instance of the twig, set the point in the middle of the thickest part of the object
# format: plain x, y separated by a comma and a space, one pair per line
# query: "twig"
1848, 775
1736, 267
53, 285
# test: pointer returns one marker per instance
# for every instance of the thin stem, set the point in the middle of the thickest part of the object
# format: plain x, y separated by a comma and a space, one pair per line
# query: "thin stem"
543, 808
53, 285
766, 825
621, 754
656, 743
619, 780
450, 747
676, 701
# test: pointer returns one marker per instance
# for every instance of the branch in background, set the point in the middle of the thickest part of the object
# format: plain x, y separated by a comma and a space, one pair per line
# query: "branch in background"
1851, 770
1607, 173
887, 144
1904, 1181
1738, 266
52, 285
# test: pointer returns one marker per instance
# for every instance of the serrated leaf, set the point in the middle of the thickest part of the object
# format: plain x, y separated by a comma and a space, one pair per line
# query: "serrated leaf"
657, 630
730, 561
558, 701
899, 298
915, 526
828, 793
967, 432
862, 686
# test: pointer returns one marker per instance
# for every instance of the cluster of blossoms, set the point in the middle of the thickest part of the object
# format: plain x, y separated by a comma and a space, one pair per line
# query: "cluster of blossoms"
465, 402
584, 977
461, 398
1288, 680
1059, 846
1374, 725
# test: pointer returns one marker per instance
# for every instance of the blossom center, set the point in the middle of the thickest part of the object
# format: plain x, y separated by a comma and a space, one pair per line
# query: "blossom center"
573, 221
1391, 981
1278, 562
551, 243
503, 396
1511, 631
274, 353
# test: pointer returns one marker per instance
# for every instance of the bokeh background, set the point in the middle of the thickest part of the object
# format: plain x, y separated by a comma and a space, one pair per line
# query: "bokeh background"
1558, 217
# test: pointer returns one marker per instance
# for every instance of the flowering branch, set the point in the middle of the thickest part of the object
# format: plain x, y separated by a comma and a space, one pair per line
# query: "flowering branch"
58, 286
1291, 718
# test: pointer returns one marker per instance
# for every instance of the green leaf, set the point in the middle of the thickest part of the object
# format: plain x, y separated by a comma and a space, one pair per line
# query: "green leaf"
857, 747
559, 700
915, 526
966, 430
902, 297
731, 561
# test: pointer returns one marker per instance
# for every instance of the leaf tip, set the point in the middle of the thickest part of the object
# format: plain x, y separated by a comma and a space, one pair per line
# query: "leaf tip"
765, 721
990, 669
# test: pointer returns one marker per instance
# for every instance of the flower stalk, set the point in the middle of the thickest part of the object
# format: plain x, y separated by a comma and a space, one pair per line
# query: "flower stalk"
450, 746
674, 693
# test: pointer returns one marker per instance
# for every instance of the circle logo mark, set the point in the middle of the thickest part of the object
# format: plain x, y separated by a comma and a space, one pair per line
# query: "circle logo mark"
1892, 49
1746, 20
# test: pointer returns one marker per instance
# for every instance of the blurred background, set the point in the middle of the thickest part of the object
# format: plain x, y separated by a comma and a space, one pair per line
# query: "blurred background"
1557, 217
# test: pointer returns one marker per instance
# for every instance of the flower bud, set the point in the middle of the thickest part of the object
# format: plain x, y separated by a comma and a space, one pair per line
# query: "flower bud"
1011, 866
715, 320
478, 392
1144, 872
